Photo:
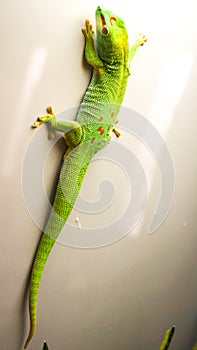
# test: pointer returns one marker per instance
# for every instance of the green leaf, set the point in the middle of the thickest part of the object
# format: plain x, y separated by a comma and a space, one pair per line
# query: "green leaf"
45, 346
195, 346
167, 339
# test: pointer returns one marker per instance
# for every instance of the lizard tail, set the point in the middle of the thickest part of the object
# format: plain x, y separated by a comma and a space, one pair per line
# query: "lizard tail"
54, 226
60, 211
44, 248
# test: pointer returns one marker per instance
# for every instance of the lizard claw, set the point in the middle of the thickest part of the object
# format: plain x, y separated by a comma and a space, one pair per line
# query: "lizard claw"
116, 132
50, 110
141, 39
36, 124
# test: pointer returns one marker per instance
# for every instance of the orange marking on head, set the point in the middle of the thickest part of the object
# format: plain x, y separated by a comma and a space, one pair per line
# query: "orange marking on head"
112, 19
99, 128
109, 127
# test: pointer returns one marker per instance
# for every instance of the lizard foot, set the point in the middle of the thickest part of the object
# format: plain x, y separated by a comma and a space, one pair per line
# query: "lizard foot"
87, 30
36, 124
40, 120
44, 119
116, 132
141, 39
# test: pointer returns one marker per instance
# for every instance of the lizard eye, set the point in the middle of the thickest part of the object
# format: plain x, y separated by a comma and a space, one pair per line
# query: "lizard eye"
105, 31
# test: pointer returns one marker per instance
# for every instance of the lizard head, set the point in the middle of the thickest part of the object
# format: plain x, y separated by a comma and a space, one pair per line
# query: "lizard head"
111, 37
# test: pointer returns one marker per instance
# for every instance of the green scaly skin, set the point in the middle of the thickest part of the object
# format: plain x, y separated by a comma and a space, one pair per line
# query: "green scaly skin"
92, 130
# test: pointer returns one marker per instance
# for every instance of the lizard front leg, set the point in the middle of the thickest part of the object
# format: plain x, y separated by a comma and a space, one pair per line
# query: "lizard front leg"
90, 52
140, 41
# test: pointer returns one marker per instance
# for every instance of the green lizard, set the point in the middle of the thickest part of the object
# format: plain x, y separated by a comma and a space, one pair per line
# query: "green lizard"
109, 55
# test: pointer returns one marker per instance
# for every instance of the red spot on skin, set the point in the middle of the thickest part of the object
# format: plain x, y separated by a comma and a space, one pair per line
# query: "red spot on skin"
112, 19
100, 128
100, 119
103, 19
